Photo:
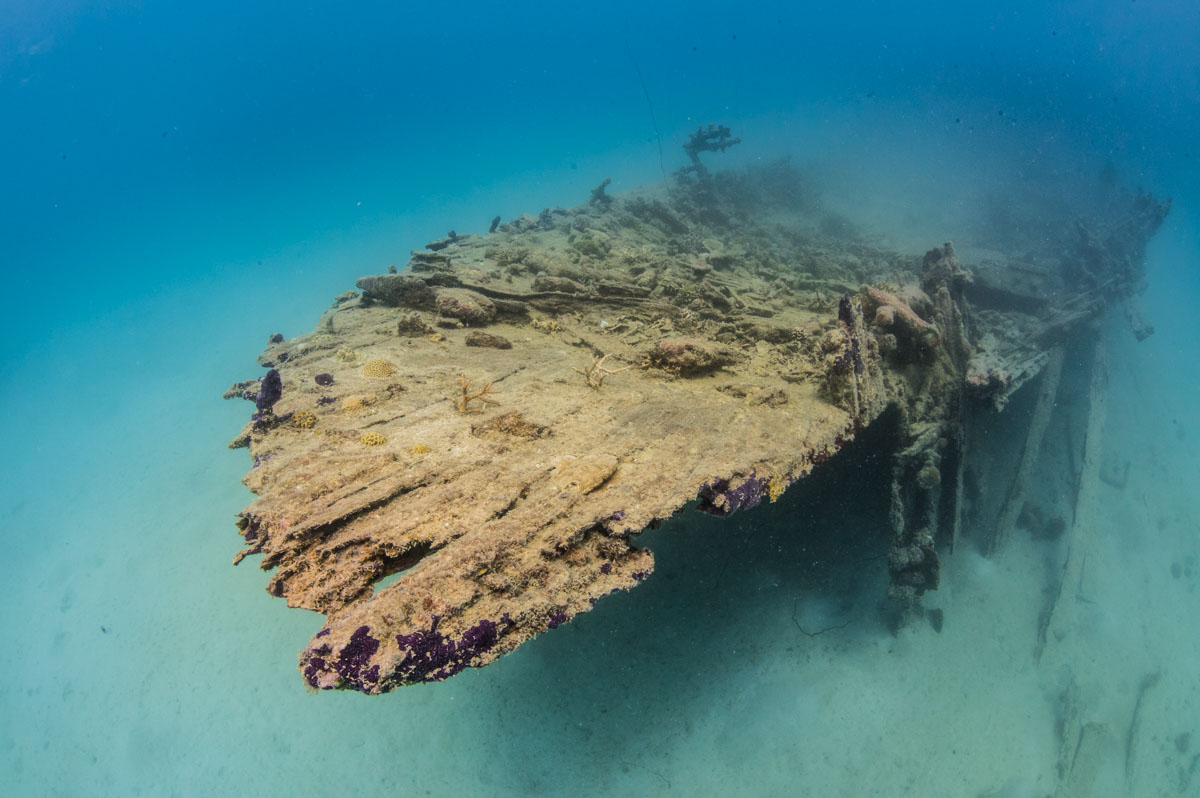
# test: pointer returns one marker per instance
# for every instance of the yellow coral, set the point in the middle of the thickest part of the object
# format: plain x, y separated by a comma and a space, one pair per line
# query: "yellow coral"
372, 439
304, 419
356, 404
776, 486
420, 448
378, 367
347, 354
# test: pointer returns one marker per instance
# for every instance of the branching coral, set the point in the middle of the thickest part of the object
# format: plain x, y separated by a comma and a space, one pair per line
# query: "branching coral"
716, 138
595, 373
598, 195
468, 396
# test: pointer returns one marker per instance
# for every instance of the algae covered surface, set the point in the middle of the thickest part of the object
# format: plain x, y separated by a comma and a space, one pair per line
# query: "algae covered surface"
463, 451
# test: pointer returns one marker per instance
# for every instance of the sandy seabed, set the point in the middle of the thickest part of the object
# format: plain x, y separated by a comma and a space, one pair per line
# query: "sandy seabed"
138, 662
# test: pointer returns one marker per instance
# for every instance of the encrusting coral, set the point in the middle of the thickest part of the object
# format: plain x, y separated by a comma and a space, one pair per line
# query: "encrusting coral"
512, 423
892, 311
304, 419
357, 404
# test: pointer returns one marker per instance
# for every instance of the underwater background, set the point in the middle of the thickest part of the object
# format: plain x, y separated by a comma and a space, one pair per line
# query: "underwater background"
180, 181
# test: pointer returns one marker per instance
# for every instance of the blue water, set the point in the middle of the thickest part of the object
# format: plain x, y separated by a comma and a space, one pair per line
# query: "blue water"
177, 183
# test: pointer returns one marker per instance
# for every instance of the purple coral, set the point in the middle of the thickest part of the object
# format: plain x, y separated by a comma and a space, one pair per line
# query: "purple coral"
316, 663
429, 651
428, 656
480, 637
313, 670
432, 656
717, 498
323, 379
270, 391
355, 655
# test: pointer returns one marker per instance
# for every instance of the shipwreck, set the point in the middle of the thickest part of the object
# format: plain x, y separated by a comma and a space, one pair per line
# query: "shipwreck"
462, 454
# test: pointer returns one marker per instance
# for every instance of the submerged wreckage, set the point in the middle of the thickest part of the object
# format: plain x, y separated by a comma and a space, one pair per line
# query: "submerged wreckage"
461, 455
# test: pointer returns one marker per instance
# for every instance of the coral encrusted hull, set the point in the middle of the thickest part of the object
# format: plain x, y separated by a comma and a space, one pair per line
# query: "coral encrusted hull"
442, 495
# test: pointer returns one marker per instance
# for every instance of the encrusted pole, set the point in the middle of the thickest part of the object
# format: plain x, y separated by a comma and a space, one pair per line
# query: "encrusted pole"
1030, 452
1058, 617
